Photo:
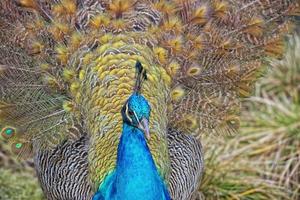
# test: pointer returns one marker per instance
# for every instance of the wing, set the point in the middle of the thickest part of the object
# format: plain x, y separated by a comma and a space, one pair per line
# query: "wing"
187, 164
63, 171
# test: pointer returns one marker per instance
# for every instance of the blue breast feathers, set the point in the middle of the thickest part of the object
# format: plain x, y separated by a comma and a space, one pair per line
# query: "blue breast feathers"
136, 176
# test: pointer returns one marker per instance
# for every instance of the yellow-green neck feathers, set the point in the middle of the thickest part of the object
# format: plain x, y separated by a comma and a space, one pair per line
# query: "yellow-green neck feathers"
103, 90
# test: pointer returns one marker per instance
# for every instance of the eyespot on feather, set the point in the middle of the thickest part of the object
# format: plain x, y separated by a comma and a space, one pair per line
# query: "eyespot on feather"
119, 24
16, 147
200, 15
74, 88
44, 67
69, 6
220, 9
57, 33
165, 7
36, 48
233, 121
177, 93
197, 41
8, 132
117, 7
255, 27
20, 148
69, 75
175, 44
274, 47
3, 68
62, 54
190, 122
81, 74
75, 41
173, 68
52, 82
28, 3
194, 71
58, 9
68, 106
174, 24
161, 54
98, 21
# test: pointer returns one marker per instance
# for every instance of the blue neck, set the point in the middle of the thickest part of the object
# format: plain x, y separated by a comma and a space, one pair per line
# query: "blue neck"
135, 176
133, 151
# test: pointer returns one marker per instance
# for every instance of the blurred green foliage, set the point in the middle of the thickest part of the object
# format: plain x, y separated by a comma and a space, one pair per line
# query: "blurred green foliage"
263, 161
17, 178
18, 186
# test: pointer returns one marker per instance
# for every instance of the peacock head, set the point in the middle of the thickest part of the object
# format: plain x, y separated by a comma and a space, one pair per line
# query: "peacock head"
136, 111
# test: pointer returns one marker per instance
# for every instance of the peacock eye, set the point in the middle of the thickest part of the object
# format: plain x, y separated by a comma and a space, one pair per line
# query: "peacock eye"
130, 112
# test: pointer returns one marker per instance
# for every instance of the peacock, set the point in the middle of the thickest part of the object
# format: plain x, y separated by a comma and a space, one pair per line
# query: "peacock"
78, 79
134, 166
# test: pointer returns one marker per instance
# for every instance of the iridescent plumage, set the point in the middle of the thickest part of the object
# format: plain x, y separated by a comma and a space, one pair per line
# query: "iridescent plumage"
135, 175
69, 67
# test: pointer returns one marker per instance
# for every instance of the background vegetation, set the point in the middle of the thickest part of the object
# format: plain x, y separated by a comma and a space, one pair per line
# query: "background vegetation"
17, 179
263, 161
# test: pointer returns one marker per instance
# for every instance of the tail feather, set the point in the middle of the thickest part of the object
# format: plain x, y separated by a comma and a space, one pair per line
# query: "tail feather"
236, 35
26, 105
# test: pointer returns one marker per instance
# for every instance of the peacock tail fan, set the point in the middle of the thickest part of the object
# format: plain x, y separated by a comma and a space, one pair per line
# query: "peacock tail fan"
69, 65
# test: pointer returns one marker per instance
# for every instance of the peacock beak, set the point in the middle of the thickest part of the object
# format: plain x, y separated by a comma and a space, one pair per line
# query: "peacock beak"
144, 125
